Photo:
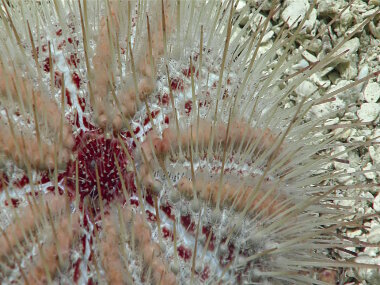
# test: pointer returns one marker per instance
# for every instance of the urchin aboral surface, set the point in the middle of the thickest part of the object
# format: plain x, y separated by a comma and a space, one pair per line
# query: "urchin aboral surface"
153, 143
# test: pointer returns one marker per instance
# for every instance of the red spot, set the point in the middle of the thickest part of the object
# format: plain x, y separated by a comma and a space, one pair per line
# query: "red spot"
72, 27
59, 32
167, 233
61, 45
187, 223
68, 97
4, 181
149, 199
22, 182
165, 99
31, 193
184, 252
88, 125
177, 84
46, 66
76, 80
225, 94
77, 270
187, 72
15, 202
207, 231
134, 202
226, 259
188, 107
44, 48
45, 177
82, 103
168, 211
153, 114
76, 119
205, 273
73, 60
151, 217
166, 120
70, 40
52, 189
58, 79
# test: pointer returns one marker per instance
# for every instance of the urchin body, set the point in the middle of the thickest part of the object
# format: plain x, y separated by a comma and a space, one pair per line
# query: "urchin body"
184, 167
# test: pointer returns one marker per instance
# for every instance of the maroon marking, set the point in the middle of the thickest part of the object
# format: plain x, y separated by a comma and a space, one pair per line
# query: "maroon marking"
76, 79
15, 202
188, 107
68, 97
187, 223
205, 273
184, 253
168, 211
73, 60
61, 45
97, 152
151, 217
177, 84
58, 79
46, 65
77, 270
21, 182
4, 181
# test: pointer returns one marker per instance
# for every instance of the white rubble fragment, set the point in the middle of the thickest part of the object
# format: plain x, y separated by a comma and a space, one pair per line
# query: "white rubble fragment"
374, 153
354, 234
328, 108
372, 92
376, 135
317, 79
369, 175
306, 88
328, 7
364, 71
310, 22
348, 70
376, 203
348, 48
301, 64
240, 6
371, 251
369, 274
267, 36
368, 112
295, 11
375, 30
331, 122
309, 57
346, 18
343, 133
